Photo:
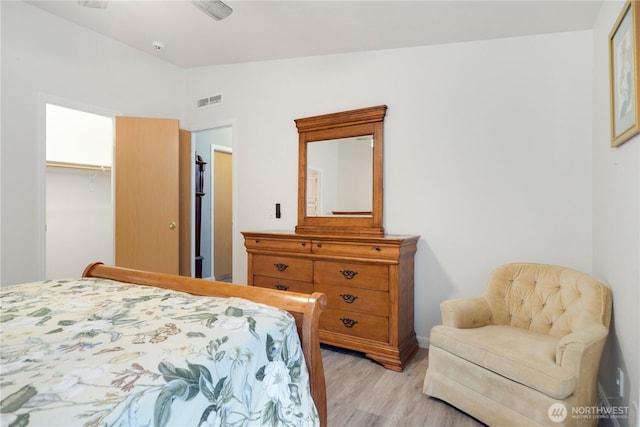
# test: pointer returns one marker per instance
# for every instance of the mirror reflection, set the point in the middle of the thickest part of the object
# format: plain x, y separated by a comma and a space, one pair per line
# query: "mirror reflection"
340, 177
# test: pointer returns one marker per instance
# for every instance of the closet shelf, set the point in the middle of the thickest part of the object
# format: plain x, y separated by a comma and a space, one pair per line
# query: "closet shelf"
78, 166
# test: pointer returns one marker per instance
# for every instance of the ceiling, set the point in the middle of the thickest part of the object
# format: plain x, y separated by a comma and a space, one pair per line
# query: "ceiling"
268, 30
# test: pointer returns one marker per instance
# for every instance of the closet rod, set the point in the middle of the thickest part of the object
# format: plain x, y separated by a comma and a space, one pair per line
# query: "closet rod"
78, 166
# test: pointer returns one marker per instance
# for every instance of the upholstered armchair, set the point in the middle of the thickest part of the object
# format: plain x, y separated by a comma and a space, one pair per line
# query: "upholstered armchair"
526, 352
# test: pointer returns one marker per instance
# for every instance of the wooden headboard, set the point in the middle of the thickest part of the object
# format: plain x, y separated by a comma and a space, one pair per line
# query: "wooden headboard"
305, 308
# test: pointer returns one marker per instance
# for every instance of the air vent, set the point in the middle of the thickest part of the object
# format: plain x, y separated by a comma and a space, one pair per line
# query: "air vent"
217, 99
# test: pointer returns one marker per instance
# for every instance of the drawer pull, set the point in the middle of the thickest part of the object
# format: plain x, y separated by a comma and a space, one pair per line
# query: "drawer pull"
281, 287
281, 267
303, 244
348, 274
319, 245
377, 248
348, 298
348, 323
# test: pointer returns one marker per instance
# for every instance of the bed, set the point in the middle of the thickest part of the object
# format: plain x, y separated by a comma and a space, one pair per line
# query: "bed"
103, 350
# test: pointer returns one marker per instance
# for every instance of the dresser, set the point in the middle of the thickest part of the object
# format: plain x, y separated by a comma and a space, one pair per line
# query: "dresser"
368, 281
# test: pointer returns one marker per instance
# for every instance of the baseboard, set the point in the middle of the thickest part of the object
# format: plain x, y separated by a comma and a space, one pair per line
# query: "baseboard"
423, 342
604, 402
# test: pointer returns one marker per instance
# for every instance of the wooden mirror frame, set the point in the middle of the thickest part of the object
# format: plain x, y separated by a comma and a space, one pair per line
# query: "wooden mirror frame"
346, 124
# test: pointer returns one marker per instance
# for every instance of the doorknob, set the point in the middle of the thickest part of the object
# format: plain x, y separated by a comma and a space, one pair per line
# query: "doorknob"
172, 225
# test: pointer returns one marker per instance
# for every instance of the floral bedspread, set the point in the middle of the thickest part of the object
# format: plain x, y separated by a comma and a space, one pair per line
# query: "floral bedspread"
95, 352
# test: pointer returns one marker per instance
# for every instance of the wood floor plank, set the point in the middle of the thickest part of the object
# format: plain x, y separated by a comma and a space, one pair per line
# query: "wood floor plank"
362, 393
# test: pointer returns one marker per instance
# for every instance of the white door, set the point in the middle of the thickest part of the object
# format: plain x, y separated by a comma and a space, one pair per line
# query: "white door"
313, 192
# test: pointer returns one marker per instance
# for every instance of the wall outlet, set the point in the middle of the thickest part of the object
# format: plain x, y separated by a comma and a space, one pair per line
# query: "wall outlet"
620, 382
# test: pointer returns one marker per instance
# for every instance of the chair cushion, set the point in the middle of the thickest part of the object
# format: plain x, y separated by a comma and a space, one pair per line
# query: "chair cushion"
518, 354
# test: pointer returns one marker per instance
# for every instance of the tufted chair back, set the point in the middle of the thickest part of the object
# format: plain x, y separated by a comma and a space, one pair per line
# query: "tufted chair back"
547, 299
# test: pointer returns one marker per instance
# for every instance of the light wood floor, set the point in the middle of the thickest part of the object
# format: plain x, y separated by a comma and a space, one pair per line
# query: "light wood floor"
361, 393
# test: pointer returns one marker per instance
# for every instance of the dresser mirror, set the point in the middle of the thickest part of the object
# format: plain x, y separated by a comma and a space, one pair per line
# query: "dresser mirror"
340, 177
340, 172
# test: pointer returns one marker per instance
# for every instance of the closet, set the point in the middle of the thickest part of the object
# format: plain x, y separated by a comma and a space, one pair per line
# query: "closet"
78, 204
137, 215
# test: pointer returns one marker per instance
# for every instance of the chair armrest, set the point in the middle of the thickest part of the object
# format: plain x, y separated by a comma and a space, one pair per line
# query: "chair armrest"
466, 312
573, 348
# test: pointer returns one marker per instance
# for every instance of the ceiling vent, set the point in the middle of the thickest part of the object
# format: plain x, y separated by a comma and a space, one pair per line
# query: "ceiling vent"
211, 100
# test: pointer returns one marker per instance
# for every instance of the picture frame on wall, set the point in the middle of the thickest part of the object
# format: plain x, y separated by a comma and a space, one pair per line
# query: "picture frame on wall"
624, 43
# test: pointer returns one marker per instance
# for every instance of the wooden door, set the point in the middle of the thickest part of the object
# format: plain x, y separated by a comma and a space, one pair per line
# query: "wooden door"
222, 216
147, 177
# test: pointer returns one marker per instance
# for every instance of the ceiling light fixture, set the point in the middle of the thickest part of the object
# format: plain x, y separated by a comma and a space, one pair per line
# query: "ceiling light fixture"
94, 4
214, 8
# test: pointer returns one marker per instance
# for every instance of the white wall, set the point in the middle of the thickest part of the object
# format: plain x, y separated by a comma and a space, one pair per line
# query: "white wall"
45, 56
487, 150
79, 214
355, 172
81, 137
616, 224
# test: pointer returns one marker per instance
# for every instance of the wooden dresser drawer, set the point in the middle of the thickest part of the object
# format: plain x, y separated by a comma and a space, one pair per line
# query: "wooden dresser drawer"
283, 284
369, 276
355, 299
367, 279
283, 267
358, 250
286, 245
355, 324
